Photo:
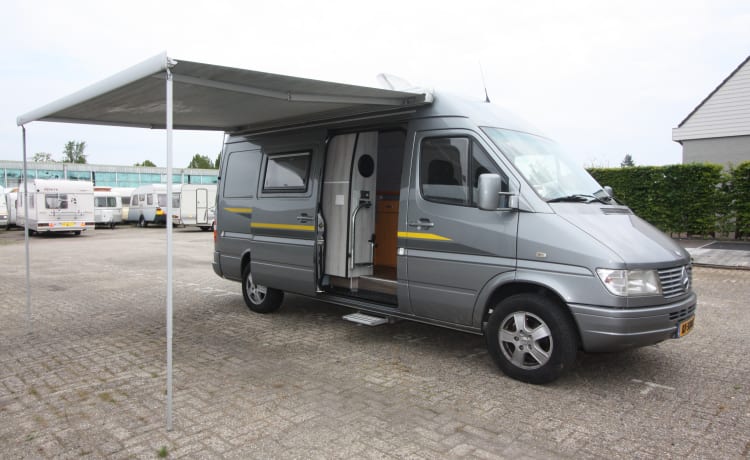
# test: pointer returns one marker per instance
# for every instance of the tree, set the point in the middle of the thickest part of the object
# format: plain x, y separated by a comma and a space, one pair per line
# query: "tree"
627, 162
146, 163
43, 156
217, 163
73, 152
201, 162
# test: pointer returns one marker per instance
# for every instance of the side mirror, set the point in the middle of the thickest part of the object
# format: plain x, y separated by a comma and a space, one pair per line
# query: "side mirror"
491, 198
609, 191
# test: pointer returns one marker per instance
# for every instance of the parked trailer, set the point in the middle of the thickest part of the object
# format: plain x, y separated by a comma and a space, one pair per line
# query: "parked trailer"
198, 205
148, 204
57, 206
124, 193
176, 218
107, 207
4, 217
10, 197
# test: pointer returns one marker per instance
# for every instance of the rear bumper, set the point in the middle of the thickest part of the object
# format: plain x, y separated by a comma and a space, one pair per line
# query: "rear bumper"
217, 265
609, 329
67, 227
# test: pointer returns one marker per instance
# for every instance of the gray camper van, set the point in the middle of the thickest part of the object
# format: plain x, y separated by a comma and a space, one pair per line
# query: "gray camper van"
455, 214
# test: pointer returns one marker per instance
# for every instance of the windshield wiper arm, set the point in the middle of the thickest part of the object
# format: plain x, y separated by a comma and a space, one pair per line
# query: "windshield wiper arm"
576, 198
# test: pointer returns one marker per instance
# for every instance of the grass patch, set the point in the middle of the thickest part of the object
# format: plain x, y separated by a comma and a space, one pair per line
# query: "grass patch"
162, 453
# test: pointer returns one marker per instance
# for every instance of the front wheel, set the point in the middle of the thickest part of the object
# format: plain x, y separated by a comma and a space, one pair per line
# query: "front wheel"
259, 298
531, 338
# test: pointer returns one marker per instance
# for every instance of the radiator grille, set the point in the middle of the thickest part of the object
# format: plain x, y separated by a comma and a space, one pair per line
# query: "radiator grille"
676, 281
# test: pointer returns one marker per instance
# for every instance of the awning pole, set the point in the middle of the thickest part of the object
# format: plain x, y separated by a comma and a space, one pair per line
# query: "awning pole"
29, 323
169, 249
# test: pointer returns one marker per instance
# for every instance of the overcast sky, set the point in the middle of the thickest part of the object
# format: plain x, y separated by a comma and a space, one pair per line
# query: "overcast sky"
604, 78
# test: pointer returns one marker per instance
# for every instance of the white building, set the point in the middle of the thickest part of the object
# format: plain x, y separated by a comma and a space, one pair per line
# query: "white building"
718, 129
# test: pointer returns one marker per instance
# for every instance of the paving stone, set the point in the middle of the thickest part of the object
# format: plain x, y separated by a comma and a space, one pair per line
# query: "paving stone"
87, 380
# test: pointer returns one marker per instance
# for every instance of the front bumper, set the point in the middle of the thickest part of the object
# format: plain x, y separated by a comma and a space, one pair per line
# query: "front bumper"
609, 329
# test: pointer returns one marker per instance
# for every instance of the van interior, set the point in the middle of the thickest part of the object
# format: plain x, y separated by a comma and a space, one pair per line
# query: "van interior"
359, 205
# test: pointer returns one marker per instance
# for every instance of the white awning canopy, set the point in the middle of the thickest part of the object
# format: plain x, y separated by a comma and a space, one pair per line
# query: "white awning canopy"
211, 97
166, 93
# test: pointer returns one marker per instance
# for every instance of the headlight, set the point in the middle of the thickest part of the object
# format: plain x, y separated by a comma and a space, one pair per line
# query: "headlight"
630, 282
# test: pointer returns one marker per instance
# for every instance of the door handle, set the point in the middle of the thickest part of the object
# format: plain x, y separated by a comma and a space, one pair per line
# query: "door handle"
304, 218
426, 223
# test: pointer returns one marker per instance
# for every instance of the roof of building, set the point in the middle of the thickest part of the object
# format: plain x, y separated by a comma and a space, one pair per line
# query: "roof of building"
724, 112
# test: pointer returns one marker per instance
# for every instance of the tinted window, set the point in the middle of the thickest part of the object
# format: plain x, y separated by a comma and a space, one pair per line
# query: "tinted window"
287, 172
443, 169
241, 174
105, 202
450, 168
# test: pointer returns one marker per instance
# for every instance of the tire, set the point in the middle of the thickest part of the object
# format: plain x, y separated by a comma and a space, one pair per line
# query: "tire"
258, 298
142, 222
531, 338
205, 229
77, 233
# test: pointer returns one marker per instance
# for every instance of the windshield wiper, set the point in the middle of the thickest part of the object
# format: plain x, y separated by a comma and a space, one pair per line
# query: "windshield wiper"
577, 198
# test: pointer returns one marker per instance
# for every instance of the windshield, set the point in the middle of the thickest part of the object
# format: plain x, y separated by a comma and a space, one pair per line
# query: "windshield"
552, 173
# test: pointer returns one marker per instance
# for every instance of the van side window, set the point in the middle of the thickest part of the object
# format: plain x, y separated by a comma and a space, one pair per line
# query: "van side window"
150, 199
133, 201
443, 168
287, 172
241, 169
450, 168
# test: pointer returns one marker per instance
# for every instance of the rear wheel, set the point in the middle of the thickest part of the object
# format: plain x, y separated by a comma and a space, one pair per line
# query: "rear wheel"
77, 232
142, 222
531, 338
259, 298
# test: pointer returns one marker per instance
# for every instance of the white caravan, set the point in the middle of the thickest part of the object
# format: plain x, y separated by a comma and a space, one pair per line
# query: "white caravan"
9, 198
124, 193
197, 205
4, 217
107, 207
57, 206
148, 204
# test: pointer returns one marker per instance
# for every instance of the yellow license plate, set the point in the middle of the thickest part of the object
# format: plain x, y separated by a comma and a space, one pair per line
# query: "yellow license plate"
68, 224
685, 327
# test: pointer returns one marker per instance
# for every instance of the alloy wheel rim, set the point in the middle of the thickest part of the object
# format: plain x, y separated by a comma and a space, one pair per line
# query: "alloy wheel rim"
525, 340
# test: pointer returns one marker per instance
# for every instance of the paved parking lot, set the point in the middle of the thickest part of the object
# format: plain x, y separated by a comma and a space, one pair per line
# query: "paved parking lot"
88, 379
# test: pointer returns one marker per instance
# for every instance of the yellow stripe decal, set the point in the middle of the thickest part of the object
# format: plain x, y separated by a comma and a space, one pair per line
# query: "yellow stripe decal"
422, 236
247, 210
306, 228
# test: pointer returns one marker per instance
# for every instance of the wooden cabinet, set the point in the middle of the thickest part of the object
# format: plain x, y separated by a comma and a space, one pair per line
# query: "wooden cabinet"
386, 233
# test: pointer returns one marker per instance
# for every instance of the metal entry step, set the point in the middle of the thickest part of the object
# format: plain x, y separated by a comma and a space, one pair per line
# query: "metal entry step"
367, 320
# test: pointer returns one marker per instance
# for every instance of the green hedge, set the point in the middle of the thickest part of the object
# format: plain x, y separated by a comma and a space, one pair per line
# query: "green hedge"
691, 199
